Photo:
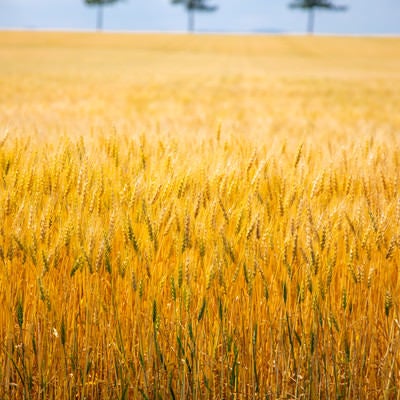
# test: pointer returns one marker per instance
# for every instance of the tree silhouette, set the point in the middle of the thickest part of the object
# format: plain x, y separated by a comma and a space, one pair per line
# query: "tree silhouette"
100, 4
192, 6
311, 5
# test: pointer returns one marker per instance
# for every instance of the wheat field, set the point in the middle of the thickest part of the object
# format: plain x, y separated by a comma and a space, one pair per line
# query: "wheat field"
199, 217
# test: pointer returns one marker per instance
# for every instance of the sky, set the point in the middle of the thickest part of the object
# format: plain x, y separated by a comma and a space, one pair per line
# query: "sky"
364, 17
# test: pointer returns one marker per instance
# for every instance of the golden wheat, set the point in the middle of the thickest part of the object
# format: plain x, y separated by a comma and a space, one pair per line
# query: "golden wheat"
199, 217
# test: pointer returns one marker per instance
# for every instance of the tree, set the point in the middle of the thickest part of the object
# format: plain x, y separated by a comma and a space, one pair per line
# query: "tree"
100, 4
311, 5
192, 6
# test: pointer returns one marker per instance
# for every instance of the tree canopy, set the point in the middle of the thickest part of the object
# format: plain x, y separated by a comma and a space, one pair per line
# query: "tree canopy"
192, 6
100, 4
311, 5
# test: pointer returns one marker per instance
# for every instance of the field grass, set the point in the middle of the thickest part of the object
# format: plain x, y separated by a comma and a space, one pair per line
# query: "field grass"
195, 217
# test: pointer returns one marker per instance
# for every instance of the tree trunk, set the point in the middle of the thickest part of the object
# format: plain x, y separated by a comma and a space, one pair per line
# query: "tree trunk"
99, 23
191, 20
310, 26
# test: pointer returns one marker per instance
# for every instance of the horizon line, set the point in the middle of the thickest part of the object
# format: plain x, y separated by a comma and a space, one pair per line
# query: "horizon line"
255, 32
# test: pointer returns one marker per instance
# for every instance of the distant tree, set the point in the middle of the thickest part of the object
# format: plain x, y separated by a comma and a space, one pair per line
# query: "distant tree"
100, 4
311, 5
192, 6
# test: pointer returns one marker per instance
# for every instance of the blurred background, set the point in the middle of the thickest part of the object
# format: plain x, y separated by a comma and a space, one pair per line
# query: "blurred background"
362, 17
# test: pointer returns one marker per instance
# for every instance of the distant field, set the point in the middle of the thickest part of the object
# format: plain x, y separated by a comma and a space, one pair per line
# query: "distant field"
194, 216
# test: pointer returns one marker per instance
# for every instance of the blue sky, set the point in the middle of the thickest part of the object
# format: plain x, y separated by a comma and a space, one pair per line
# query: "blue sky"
363, 17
